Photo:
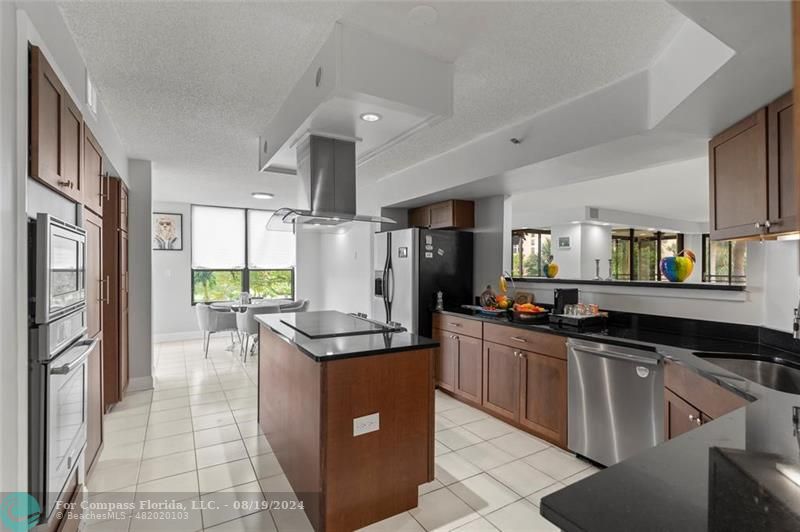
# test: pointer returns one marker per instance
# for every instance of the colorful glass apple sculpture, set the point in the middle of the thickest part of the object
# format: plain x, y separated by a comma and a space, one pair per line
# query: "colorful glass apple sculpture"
678, 268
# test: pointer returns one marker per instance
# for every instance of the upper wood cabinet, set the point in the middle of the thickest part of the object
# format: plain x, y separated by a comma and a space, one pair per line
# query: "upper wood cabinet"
95, 188
751, 181
780, 165
451, 214
55, 131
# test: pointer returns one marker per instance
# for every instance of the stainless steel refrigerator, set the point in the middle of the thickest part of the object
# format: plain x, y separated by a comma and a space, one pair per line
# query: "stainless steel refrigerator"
411, 266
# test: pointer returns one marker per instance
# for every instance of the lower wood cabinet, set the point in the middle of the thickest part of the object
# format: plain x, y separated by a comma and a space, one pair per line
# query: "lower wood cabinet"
527, 388
679, 416
445, 361
469, 368
94, 403
459, 364
516, 374
691, 400
543, 396
501, 380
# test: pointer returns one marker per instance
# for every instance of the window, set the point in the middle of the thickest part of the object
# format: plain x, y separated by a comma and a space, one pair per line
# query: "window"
636, 254
233, 252
530, 248
724, 262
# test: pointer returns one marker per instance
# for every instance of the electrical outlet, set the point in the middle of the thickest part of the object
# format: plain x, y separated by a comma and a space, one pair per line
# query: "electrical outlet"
366, 424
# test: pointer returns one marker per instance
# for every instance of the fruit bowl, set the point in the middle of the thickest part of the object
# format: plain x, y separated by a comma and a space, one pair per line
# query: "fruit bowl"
529, 313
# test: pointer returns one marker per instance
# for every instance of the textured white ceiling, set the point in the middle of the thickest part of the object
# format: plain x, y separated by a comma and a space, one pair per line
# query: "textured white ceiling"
189, 85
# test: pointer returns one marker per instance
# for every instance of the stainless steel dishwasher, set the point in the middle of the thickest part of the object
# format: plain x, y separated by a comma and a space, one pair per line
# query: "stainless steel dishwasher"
615, 401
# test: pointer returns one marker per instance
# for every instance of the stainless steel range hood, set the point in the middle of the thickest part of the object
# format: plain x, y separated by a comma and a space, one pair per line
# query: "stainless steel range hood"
319, 127
326, 168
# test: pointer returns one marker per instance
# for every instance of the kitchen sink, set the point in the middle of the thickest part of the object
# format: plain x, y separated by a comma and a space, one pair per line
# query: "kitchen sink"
773, 372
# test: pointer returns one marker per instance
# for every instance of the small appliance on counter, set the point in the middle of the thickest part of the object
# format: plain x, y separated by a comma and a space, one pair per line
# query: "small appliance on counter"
563, 297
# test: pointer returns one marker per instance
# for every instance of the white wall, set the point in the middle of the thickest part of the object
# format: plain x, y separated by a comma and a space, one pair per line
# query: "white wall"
568, 260
140, 254
782, 282
695, 243
346, 270
595, 244
173, 314
310, 268
13, 363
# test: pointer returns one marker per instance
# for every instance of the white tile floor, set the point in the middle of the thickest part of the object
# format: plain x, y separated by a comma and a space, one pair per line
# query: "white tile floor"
196, 438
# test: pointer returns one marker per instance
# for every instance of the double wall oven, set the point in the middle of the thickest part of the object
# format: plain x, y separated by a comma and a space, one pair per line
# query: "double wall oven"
58, 351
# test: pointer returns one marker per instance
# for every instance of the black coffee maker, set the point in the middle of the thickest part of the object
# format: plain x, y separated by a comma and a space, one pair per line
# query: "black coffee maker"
563, 297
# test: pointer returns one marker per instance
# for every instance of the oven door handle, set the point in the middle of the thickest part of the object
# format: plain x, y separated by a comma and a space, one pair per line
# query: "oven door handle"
66, 368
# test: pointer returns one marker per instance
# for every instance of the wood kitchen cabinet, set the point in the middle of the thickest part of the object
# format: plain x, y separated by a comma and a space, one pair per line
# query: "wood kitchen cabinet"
780, 165
55, 130
751, 178
501, 380
94, 182
691, 400
543, 396
115, 263
679, 416
445, 359
450, 214
94, 403
459, 358
96, 284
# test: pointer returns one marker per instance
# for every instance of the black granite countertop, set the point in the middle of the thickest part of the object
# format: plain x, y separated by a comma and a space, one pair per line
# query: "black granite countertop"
354, 345
667, 487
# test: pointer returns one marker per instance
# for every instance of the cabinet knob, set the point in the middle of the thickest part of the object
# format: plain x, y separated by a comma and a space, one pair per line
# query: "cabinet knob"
767, 224
758, 225
695, 419
64, 183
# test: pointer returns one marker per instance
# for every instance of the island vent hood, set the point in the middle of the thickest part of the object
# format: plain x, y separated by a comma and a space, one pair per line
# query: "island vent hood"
319, 133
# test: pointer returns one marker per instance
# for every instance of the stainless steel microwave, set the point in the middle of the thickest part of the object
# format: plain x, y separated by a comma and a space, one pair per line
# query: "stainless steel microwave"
59, 252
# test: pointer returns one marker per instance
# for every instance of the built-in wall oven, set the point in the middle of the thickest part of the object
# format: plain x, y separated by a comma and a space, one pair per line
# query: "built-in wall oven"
58, 352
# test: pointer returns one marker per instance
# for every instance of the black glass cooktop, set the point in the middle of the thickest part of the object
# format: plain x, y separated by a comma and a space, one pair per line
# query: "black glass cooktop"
330, 324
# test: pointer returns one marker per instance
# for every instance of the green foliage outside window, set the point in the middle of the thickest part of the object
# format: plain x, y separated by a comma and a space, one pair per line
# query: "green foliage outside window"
271, 283
216, 285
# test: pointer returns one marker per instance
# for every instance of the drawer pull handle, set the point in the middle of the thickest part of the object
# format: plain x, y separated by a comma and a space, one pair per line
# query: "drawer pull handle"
518, 339
454, 324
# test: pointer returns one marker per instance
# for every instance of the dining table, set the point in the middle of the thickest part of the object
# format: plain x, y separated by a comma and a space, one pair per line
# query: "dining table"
236, 306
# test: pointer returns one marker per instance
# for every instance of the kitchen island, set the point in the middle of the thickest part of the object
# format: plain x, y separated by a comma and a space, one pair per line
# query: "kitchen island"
348, 408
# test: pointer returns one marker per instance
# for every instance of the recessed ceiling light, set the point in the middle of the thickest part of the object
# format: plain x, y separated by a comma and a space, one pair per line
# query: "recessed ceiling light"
423, 16
262, 195
370, 117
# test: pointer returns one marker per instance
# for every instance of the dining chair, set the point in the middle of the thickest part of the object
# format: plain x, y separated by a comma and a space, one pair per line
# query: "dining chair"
213, 321
248, 326
301, 305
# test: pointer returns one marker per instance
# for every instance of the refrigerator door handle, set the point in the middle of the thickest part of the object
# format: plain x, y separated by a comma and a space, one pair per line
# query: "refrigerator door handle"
387, 270
391, 293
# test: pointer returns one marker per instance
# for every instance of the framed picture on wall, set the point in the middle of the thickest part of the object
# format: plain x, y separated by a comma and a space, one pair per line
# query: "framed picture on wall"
167, 231
564, 242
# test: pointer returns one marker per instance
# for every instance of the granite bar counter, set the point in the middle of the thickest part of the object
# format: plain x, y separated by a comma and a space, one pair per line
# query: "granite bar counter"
679, 485
348, 408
